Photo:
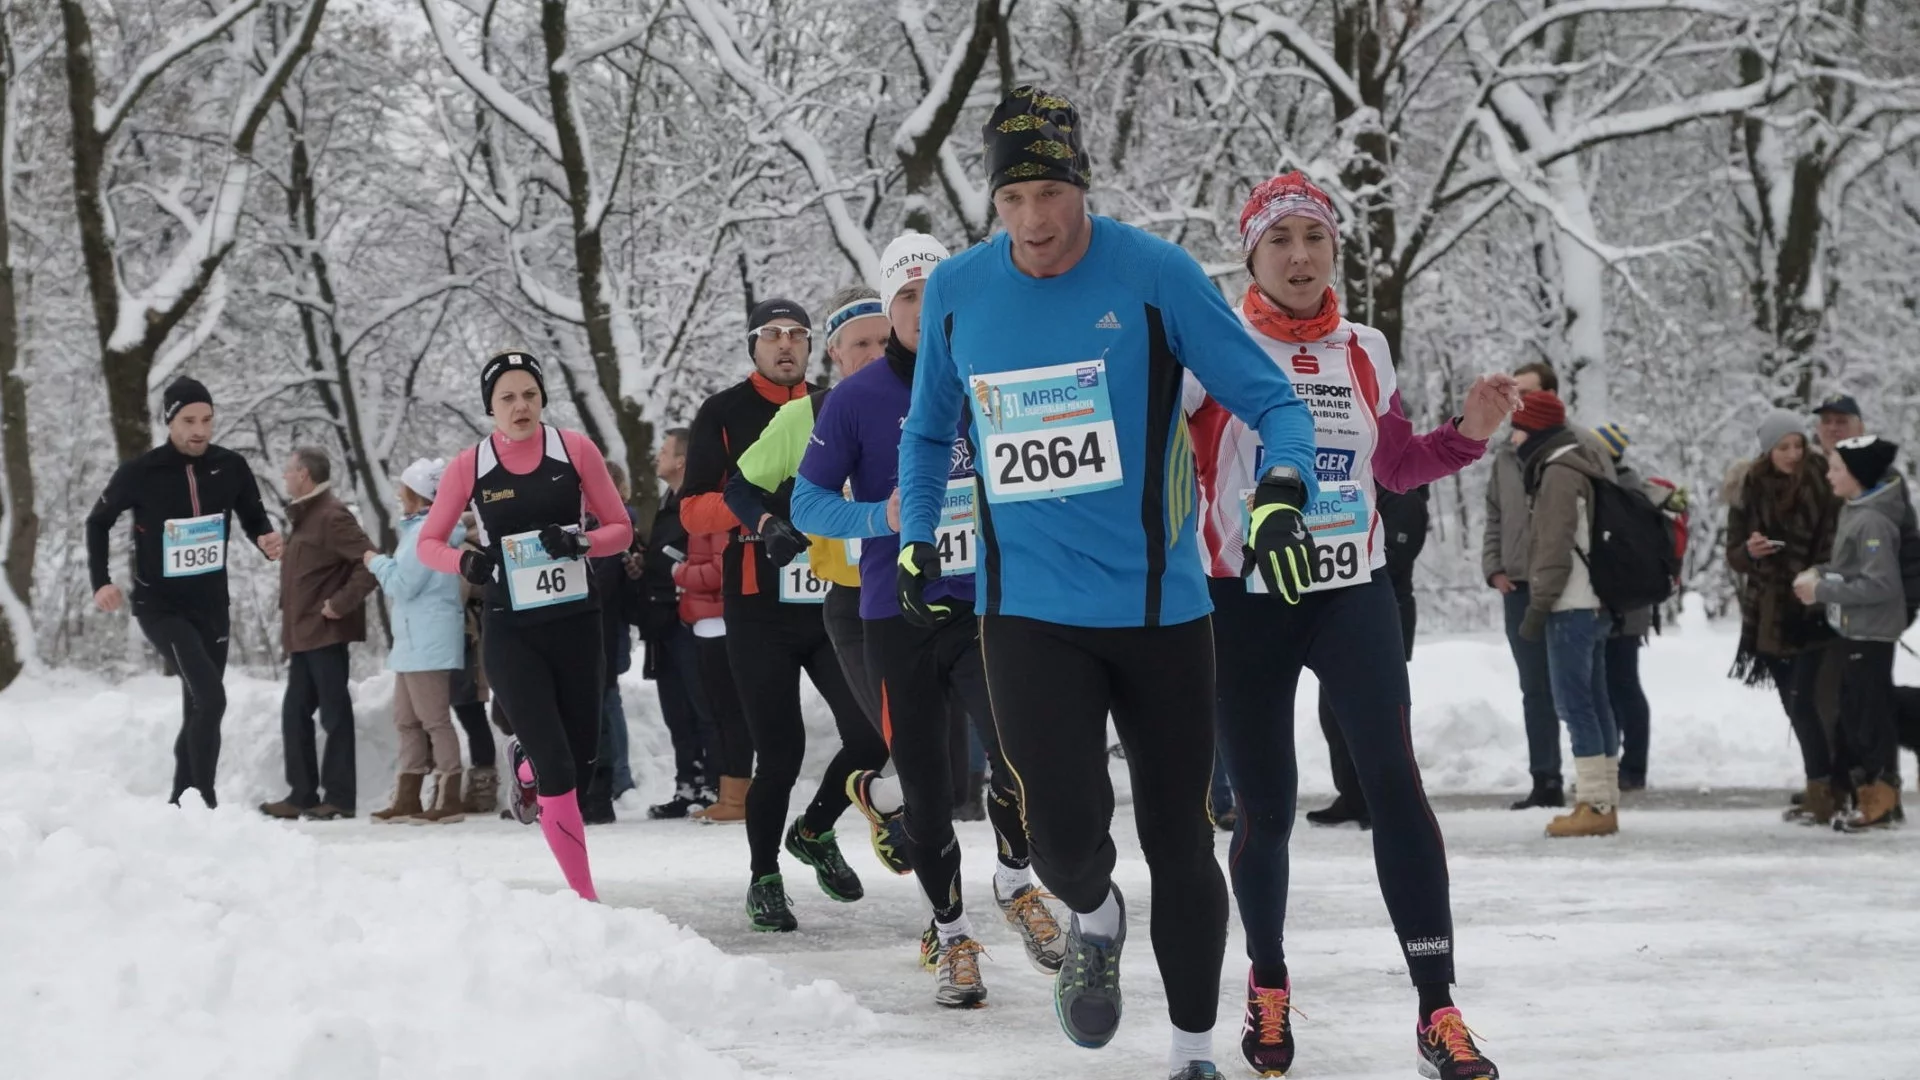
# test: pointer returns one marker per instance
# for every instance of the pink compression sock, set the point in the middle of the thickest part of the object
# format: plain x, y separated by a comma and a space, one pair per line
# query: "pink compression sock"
525, 772
567, 835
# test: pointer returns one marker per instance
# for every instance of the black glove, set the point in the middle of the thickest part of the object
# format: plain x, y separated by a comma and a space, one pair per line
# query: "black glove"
783, 542
920, 567
1279, 545
561, 544
476, 566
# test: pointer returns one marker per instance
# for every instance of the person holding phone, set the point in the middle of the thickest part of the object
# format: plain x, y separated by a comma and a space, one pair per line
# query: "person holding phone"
1780, 522
672, 660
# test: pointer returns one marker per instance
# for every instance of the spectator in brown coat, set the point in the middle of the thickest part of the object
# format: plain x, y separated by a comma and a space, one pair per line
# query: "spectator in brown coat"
324, 585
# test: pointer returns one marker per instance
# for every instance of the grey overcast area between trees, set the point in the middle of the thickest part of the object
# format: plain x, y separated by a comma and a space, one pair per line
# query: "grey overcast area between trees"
329, 210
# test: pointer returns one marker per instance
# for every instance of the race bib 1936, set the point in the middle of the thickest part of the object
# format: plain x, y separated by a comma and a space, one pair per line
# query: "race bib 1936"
1340, 520
536, 579
1048, 432
193, 546
799, 584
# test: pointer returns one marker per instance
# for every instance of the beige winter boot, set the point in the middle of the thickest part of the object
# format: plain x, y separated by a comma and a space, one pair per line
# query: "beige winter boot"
1817, 805
406, 800
732, 805
1878, 802
448, 806
1597, 811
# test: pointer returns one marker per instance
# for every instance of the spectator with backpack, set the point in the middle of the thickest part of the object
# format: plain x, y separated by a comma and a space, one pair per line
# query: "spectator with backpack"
1561, 474
1781, 522
1631, 713
1867, 603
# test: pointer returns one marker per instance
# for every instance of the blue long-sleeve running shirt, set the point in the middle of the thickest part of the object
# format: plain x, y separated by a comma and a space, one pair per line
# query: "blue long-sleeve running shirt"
1073, 383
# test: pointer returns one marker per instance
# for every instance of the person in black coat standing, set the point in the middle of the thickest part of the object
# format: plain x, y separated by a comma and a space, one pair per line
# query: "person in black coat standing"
1404, 520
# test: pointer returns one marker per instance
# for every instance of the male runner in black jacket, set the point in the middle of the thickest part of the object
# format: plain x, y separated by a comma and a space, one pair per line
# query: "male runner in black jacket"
182, 494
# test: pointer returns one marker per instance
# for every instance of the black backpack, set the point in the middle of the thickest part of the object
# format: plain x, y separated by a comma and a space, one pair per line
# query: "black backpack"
1631, 556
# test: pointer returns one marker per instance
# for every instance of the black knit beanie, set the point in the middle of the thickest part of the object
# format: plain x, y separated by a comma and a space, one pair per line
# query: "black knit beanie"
182, 393
766, 311
1868, 458
499, 364
1035, 135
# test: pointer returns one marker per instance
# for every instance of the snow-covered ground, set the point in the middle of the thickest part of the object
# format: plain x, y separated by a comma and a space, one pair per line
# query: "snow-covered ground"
142, 941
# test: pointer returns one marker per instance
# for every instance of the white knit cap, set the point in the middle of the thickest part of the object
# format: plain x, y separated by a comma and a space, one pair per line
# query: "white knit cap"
911, 257
423, 476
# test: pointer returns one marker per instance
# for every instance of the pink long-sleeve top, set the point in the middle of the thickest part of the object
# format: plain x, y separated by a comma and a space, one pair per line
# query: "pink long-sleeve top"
521, 457
1363, 436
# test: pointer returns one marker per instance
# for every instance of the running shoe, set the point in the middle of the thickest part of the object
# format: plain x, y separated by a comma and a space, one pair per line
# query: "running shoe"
889, 830
768, 908
523, 799
1027, 910
930, 947
1086, 992
957, 983
1447, 1051
1196, 1070
830, 868
1266, 1029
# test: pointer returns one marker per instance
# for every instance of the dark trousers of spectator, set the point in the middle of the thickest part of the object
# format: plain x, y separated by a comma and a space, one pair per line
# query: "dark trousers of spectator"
1631, 713
674, 664
1346, 779
1536, 690
317, 680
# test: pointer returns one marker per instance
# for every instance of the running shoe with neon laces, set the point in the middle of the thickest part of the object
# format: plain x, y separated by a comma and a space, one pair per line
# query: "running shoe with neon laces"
1027, 910
1196, 1070
768, 908
1086, 992
1447, 1051
830, 868
889, 830
1266, 1029
523, 800
957, 982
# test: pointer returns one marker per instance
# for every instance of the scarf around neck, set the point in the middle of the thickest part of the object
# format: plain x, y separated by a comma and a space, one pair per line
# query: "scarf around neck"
1270, 319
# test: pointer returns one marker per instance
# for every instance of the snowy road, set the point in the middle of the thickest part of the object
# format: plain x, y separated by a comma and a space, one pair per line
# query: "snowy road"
1699, 944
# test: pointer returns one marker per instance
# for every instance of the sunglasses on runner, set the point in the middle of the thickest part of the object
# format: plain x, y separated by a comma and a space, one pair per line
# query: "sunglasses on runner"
799, 334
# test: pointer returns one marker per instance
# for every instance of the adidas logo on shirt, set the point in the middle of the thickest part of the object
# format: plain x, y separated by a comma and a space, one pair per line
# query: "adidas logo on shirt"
1108, 322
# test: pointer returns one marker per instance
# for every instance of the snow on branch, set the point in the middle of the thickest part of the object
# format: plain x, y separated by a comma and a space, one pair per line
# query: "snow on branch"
1296, 39
1628, 125
407, 301
261, 94
183, 348
593, 50
108, 117
721, 33
490, 90
1521, 36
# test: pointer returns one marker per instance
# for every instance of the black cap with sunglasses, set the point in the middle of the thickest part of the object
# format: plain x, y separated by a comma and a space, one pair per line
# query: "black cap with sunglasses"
768, 310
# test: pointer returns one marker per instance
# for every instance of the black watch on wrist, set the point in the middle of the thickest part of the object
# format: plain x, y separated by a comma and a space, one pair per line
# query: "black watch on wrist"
1282, 472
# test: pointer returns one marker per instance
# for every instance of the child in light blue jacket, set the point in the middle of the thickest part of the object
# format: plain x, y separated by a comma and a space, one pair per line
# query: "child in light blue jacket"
429, 645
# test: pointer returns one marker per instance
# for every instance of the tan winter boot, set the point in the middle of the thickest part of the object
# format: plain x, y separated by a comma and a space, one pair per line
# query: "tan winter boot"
1596, 813
1876, 803
406, 800
448, 806
483, 790
732, 806
1817, 805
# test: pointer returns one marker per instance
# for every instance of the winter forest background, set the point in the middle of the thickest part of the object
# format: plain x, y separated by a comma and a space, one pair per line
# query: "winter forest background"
328, 210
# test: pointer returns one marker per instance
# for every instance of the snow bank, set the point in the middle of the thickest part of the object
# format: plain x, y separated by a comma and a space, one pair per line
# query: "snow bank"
143, 940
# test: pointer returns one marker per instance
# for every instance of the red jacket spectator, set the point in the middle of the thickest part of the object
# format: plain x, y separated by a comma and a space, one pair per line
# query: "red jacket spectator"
702, 577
